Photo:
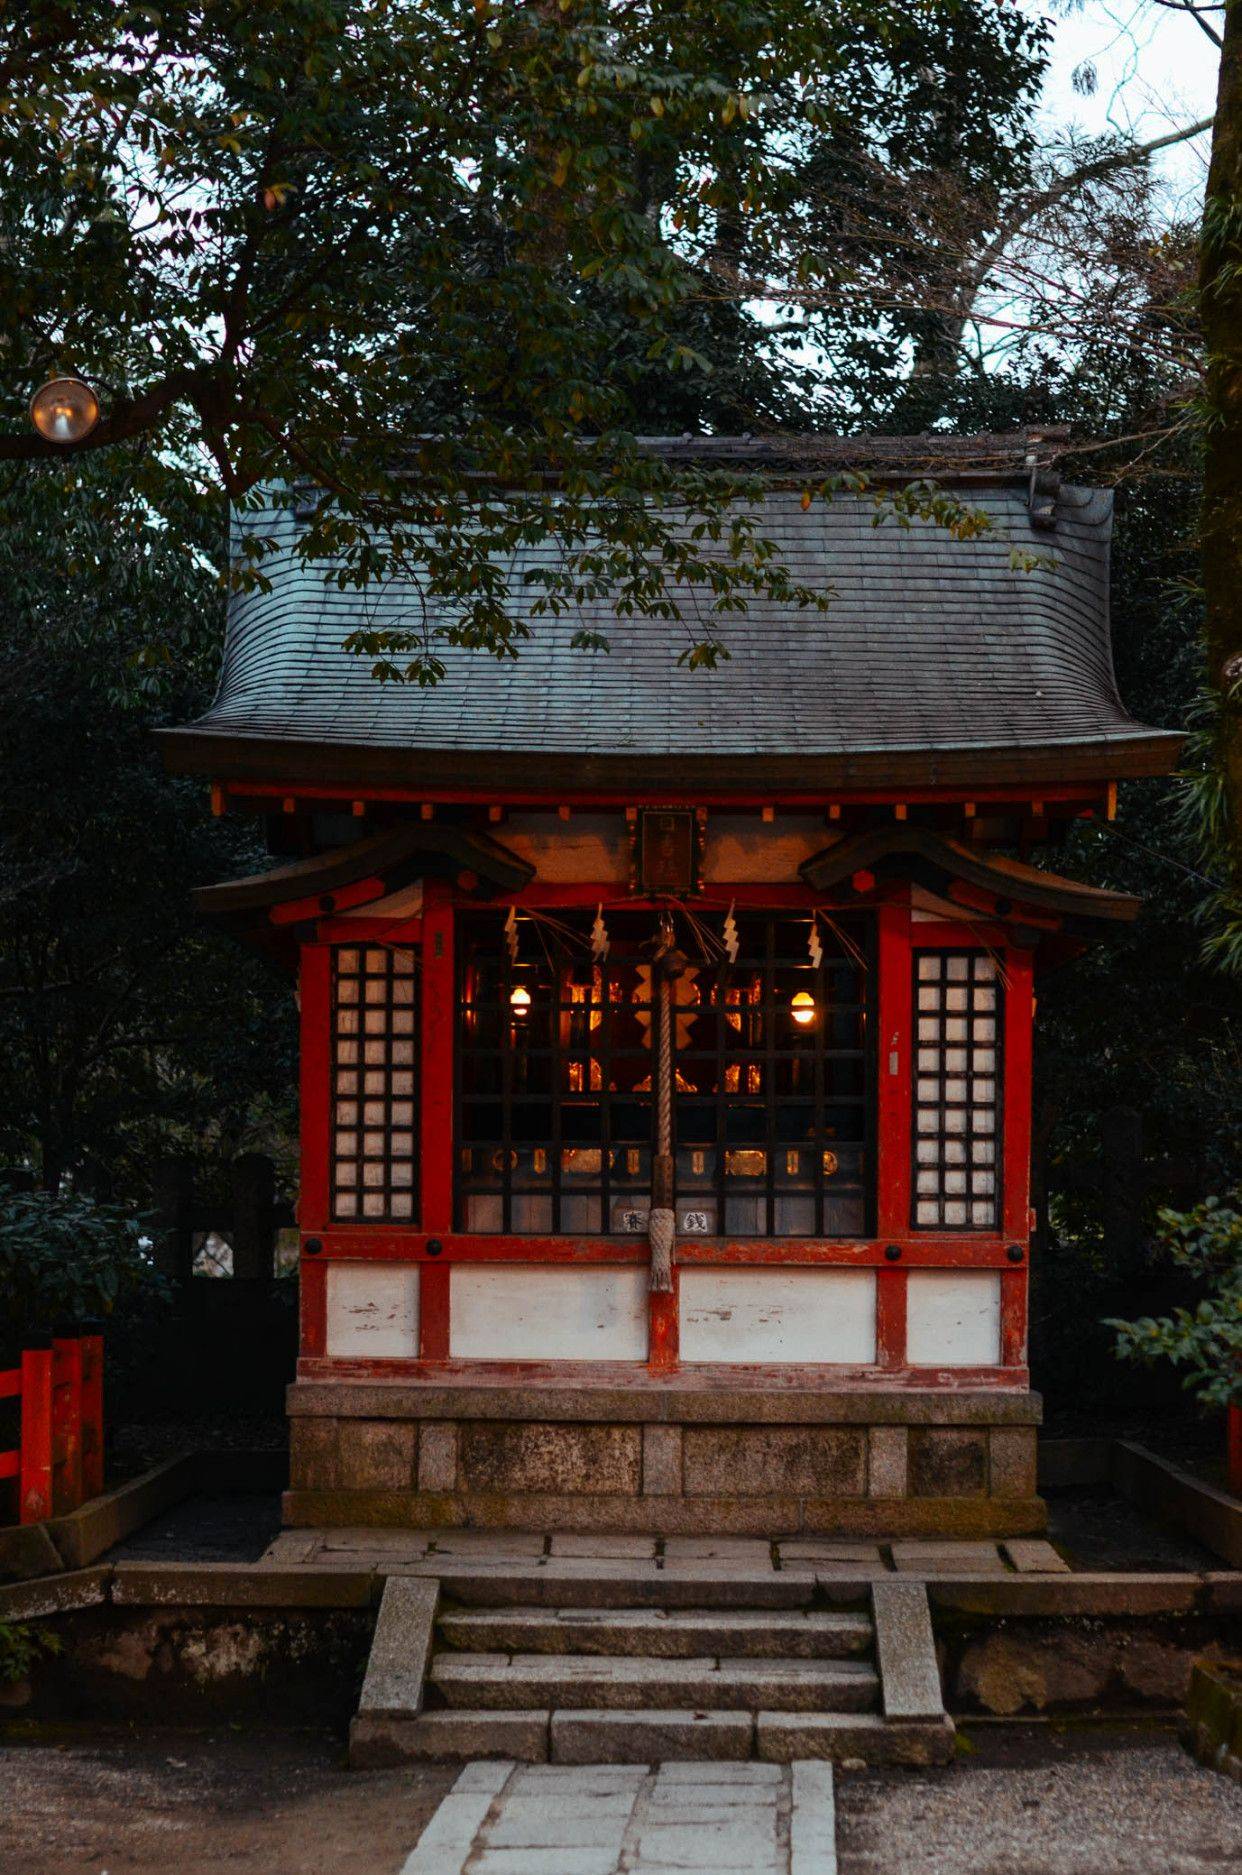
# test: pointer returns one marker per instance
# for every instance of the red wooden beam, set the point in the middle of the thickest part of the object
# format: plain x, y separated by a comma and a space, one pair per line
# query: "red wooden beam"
926, 1250
315, 1086
664, 1327
92, 1347
66, 1423
890, 1317
439, 1006
35, 1478
313, 1306
340, 898
486, 795
1016, 1156
637, 1376
435, 1281
893, 1084
1013, 1317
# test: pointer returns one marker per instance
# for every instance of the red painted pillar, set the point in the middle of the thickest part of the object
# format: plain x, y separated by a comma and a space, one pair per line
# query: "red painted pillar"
92, 1347
664, 1329
890, 1316
1234, 1437
439, 1011
66, 1422
1016, 1152
893, 1003
315, 1085
315, 1104
439, 1017
35, 1477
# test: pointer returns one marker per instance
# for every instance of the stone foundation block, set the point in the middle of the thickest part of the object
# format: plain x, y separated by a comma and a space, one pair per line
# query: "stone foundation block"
378, 1454
948, 1461
762, 1461
591, 1460
662, 1461
437, 1456
313, 1454
887, 1461
1011, 1461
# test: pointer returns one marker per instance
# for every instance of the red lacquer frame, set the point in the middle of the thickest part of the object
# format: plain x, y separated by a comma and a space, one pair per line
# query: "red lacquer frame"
895, 1248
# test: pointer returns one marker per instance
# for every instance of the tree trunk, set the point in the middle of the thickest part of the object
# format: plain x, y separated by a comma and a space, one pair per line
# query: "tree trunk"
1220, 283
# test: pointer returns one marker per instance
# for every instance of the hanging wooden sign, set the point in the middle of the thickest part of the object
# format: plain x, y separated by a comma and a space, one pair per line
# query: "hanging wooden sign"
666, 851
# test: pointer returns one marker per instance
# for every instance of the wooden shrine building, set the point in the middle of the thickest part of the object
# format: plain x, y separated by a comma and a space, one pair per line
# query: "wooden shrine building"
666, 1035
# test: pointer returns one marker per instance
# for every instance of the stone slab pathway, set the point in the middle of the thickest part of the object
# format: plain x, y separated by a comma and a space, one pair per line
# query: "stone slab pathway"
442, 1552
680, 1819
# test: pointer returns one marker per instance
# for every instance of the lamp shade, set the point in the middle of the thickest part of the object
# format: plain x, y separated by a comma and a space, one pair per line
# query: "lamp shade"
65, 410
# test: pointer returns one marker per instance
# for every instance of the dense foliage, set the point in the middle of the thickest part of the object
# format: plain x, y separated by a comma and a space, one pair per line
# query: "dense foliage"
399, 250
66, 1259
128, 1028
1205, 1341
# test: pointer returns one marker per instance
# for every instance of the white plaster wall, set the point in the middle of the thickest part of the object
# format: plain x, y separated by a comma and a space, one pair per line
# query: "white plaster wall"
953, 1318
520, 1312
373, 1310
778, 1315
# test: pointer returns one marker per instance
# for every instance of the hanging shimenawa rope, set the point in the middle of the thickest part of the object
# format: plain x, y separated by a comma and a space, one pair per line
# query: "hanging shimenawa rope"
668, 964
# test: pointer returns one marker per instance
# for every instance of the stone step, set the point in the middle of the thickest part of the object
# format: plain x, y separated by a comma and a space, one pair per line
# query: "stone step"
783, 1737
669, 1634
379, 1740
662, 1736
783, 1683
610, 1736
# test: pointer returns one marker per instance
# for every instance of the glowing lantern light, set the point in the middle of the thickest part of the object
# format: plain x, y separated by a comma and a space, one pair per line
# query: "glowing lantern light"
519, 1000
64, 411
802, 1008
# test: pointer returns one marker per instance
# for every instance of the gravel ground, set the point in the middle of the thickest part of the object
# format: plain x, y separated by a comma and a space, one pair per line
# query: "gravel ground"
230, 1527
1039, 1801
1028, 1801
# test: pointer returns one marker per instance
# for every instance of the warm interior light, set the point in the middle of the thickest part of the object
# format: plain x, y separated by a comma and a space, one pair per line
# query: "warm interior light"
64, 410
519, 999
802, 1007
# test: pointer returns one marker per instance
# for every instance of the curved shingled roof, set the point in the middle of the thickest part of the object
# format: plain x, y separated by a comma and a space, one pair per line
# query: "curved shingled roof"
937, 661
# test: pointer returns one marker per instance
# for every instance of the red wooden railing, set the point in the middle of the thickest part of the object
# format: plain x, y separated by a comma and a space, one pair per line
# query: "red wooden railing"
58, 1461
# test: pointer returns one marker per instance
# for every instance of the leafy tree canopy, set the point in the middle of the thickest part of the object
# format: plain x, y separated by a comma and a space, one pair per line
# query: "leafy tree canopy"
404, 251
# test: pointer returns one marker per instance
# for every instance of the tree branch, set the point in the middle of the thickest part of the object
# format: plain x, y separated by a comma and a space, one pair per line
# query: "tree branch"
128, 417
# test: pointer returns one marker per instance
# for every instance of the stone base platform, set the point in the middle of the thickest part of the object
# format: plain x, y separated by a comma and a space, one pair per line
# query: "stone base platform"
711, 1454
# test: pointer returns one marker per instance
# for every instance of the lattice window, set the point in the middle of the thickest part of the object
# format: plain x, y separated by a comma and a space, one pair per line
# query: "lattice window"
957, 1083
772, 1109
374, 1084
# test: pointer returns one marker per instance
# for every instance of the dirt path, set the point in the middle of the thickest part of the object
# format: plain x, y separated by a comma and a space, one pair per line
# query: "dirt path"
177, 1803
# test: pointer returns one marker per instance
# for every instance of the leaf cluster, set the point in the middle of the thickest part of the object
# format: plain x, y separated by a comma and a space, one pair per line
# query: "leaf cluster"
1206, 1339
67, 1258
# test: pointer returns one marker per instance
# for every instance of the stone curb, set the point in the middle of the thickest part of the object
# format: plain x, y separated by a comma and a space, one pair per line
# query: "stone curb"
79, 1537
55, 1595
1175, 1496
85, 1533
224, 1585
684, 1403
242, 1585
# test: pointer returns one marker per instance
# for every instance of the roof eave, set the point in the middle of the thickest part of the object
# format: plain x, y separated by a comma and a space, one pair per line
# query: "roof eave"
229, 756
